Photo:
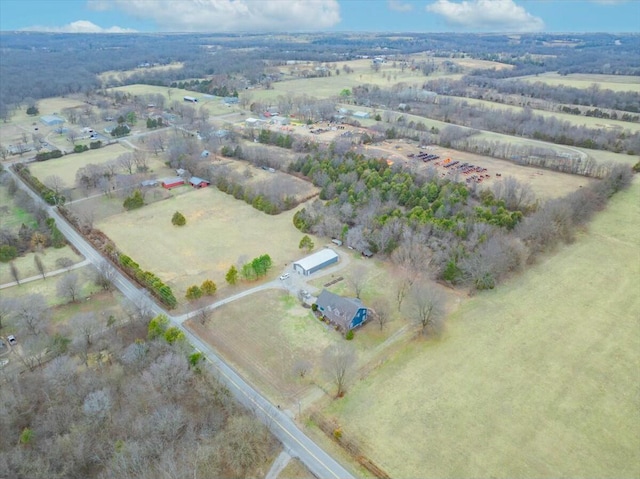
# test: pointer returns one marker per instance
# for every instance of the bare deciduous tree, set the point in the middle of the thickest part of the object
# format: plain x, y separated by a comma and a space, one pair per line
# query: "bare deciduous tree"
7, 308
105, 275
358, 279
301, 367
68, 287
126, 162
339, 363
37, 260
428, 308
141, 160
55, 183
32, 313
15, 274
381, 312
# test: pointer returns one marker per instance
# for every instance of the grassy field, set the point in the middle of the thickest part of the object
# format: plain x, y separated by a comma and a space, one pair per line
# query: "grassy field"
47, 287
220, 232
535, 379
27, 267
67, 166
12, 217
588, 121
214, 105
586, 80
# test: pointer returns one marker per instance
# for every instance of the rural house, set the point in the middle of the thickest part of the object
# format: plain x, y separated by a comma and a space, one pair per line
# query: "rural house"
315, 262
347, 313
198, 182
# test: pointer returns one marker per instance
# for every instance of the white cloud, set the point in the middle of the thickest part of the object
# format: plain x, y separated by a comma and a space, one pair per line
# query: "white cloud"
81, 26
399, 6
229, 15
491, 15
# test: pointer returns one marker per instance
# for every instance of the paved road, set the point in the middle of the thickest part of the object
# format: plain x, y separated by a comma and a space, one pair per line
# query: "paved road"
296, 443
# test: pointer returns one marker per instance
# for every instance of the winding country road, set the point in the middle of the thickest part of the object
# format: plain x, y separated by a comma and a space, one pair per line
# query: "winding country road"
296, 442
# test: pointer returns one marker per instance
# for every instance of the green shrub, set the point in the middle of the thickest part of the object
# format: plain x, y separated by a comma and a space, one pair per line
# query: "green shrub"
349, 335
173, 335
208, 287
134, 201
7, 253
193, 292
157, 326
178, 219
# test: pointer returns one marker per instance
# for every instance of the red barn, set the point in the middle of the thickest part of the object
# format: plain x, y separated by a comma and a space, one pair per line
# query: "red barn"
198, 182
169, 183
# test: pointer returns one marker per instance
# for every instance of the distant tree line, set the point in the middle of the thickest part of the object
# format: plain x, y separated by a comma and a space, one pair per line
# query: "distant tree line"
484, 88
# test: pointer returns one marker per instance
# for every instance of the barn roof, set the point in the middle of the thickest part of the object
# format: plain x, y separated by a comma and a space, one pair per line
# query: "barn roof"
316, 259
172, 180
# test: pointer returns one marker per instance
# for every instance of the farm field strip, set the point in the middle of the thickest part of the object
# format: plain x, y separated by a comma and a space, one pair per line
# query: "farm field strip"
520, 387
584, 80
577, 120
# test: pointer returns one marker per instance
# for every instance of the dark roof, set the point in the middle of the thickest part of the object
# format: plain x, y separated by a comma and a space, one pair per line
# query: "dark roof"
338, 309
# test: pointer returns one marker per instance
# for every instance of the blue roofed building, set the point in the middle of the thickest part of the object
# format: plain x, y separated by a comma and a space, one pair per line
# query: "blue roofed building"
347, 313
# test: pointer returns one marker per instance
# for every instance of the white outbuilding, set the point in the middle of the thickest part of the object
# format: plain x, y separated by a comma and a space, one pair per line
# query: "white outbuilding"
315, 262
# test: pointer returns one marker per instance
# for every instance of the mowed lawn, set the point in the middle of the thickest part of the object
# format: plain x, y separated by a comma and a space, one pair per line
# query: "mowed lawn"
264, 336
536, 379
220, 231
67, 166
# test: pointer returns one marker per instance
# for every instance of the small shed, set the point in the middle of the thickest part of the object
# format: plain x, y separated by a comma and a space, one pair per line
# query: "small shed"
367, 253
315, 262
198, 182
172, 182
51, 120
280, 120
251, 122
361, 114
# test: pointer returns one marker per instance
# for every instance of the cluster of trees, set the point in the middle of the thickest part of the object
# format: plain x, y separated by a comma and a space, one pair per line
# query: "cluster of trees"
51, 196
135, 201
155, 123
205, 86
274, 138
140, 408
472, 236
34, 235
48, 155
208, 288
255, 269
148, 280
260, 201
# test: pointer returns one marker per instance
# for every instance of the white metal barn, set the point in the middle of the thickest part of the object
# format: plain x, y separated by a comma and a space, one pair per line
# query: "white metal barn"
315, 262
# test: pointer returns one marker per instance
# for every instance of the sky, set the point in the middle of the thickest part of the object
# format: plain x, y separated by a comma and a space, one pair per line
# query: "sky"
514, 16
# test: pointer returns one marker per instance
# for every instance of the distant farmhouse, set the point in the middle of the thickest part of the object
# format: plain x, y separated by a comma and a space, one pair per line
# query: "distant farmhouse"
198, 182
347, 313
51, 120
315, 262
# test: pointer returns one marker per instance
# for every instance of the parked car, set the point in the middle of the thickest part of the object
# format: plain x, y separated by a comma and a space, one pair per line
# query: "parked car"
284, 276
12, 340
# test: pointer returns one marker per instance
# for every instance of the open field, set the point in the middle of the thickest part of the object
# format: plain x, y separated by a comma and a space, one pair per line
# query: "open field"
111, 76
519, 386
214, 105
12, 217
67, 166
27, 267
586, 80
47, 287
577, 120
220, 231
